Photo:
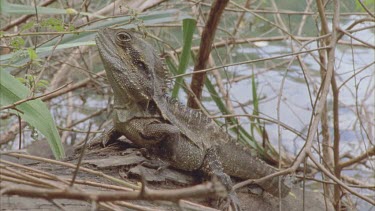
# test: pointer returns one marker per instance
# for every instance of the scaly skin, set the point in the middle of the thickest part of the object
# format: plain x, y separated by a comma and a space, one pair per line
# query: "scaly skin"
187, 139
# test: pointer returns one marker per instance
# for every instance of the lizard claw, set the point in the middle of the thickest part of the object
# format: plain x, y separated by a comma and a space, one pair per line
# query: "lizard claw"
104, 139
158, 165
161, 168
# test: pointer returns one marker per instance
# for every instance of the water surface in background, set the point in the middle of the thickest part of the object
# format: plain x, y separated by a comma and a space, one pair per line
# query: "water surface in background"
296, 108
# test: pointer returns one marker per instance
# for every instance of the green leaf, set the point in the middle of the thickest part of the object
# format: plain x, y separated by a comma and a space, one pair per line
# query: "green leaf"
43, 51
255, 105
42, 84
34, 112
255, 95
27, 26
17, 43
188, 28
32, 54
171, 65
242, 133
369, 4
53, 23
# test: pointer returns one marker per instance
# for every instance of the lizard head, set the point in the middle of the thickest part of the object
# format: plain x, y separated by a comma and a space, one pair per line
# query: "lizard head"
131, 64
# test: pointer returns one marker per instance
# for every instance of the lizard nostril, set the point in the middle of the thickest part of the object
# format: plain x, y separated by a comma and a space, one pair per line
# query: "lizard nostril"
141, 65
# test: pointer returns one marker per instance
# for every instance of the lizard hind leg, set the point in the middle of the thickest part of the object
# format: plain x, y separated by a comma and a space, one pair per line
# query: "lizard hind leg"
212, 167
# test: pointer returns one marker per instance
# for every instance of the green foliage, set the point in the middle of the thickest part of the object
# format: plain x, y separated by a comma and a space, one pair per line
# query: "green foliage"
243, 135
32, 54
17, 43
35, 112
53, 23
369, 4
27, 26
86, 38
254, 121
29, 81
57, 25
188, 28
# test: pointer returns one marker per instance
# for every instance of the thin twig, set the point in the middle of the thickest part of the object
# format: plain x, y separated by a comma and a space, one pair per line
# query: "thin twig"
80, 156
32, 98
370, 152
248, 62
196, 191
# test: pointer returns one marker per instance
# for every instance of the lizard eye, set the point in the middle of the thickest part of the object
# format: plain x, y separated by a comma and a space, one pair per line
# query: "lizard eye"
123, 37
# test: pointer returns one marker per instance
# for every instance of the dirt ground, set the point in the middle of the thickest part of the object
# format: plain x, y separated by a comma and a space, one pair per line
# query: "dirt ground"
123, 161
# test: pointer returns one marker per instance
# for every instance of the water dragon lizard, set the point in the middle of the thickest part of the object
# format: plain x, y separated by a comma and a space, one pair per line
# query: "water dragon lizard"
185, 138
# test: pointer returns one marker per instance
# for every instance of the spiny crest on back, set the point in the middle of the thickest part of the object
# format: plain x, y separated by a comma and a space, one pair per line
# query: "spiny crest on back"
190, 116
162, 75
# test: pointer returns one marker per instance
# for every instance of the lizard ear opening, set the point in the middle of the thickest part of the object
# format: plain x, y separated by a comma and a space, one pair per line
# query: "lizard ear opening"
123, 37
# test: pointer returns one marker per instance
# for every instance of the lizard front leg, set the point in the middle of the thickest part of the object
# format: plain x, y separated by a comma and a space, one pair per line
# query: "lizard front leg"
108, 137
181, 153
165, 140
104, 139
212, 167
147, 132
